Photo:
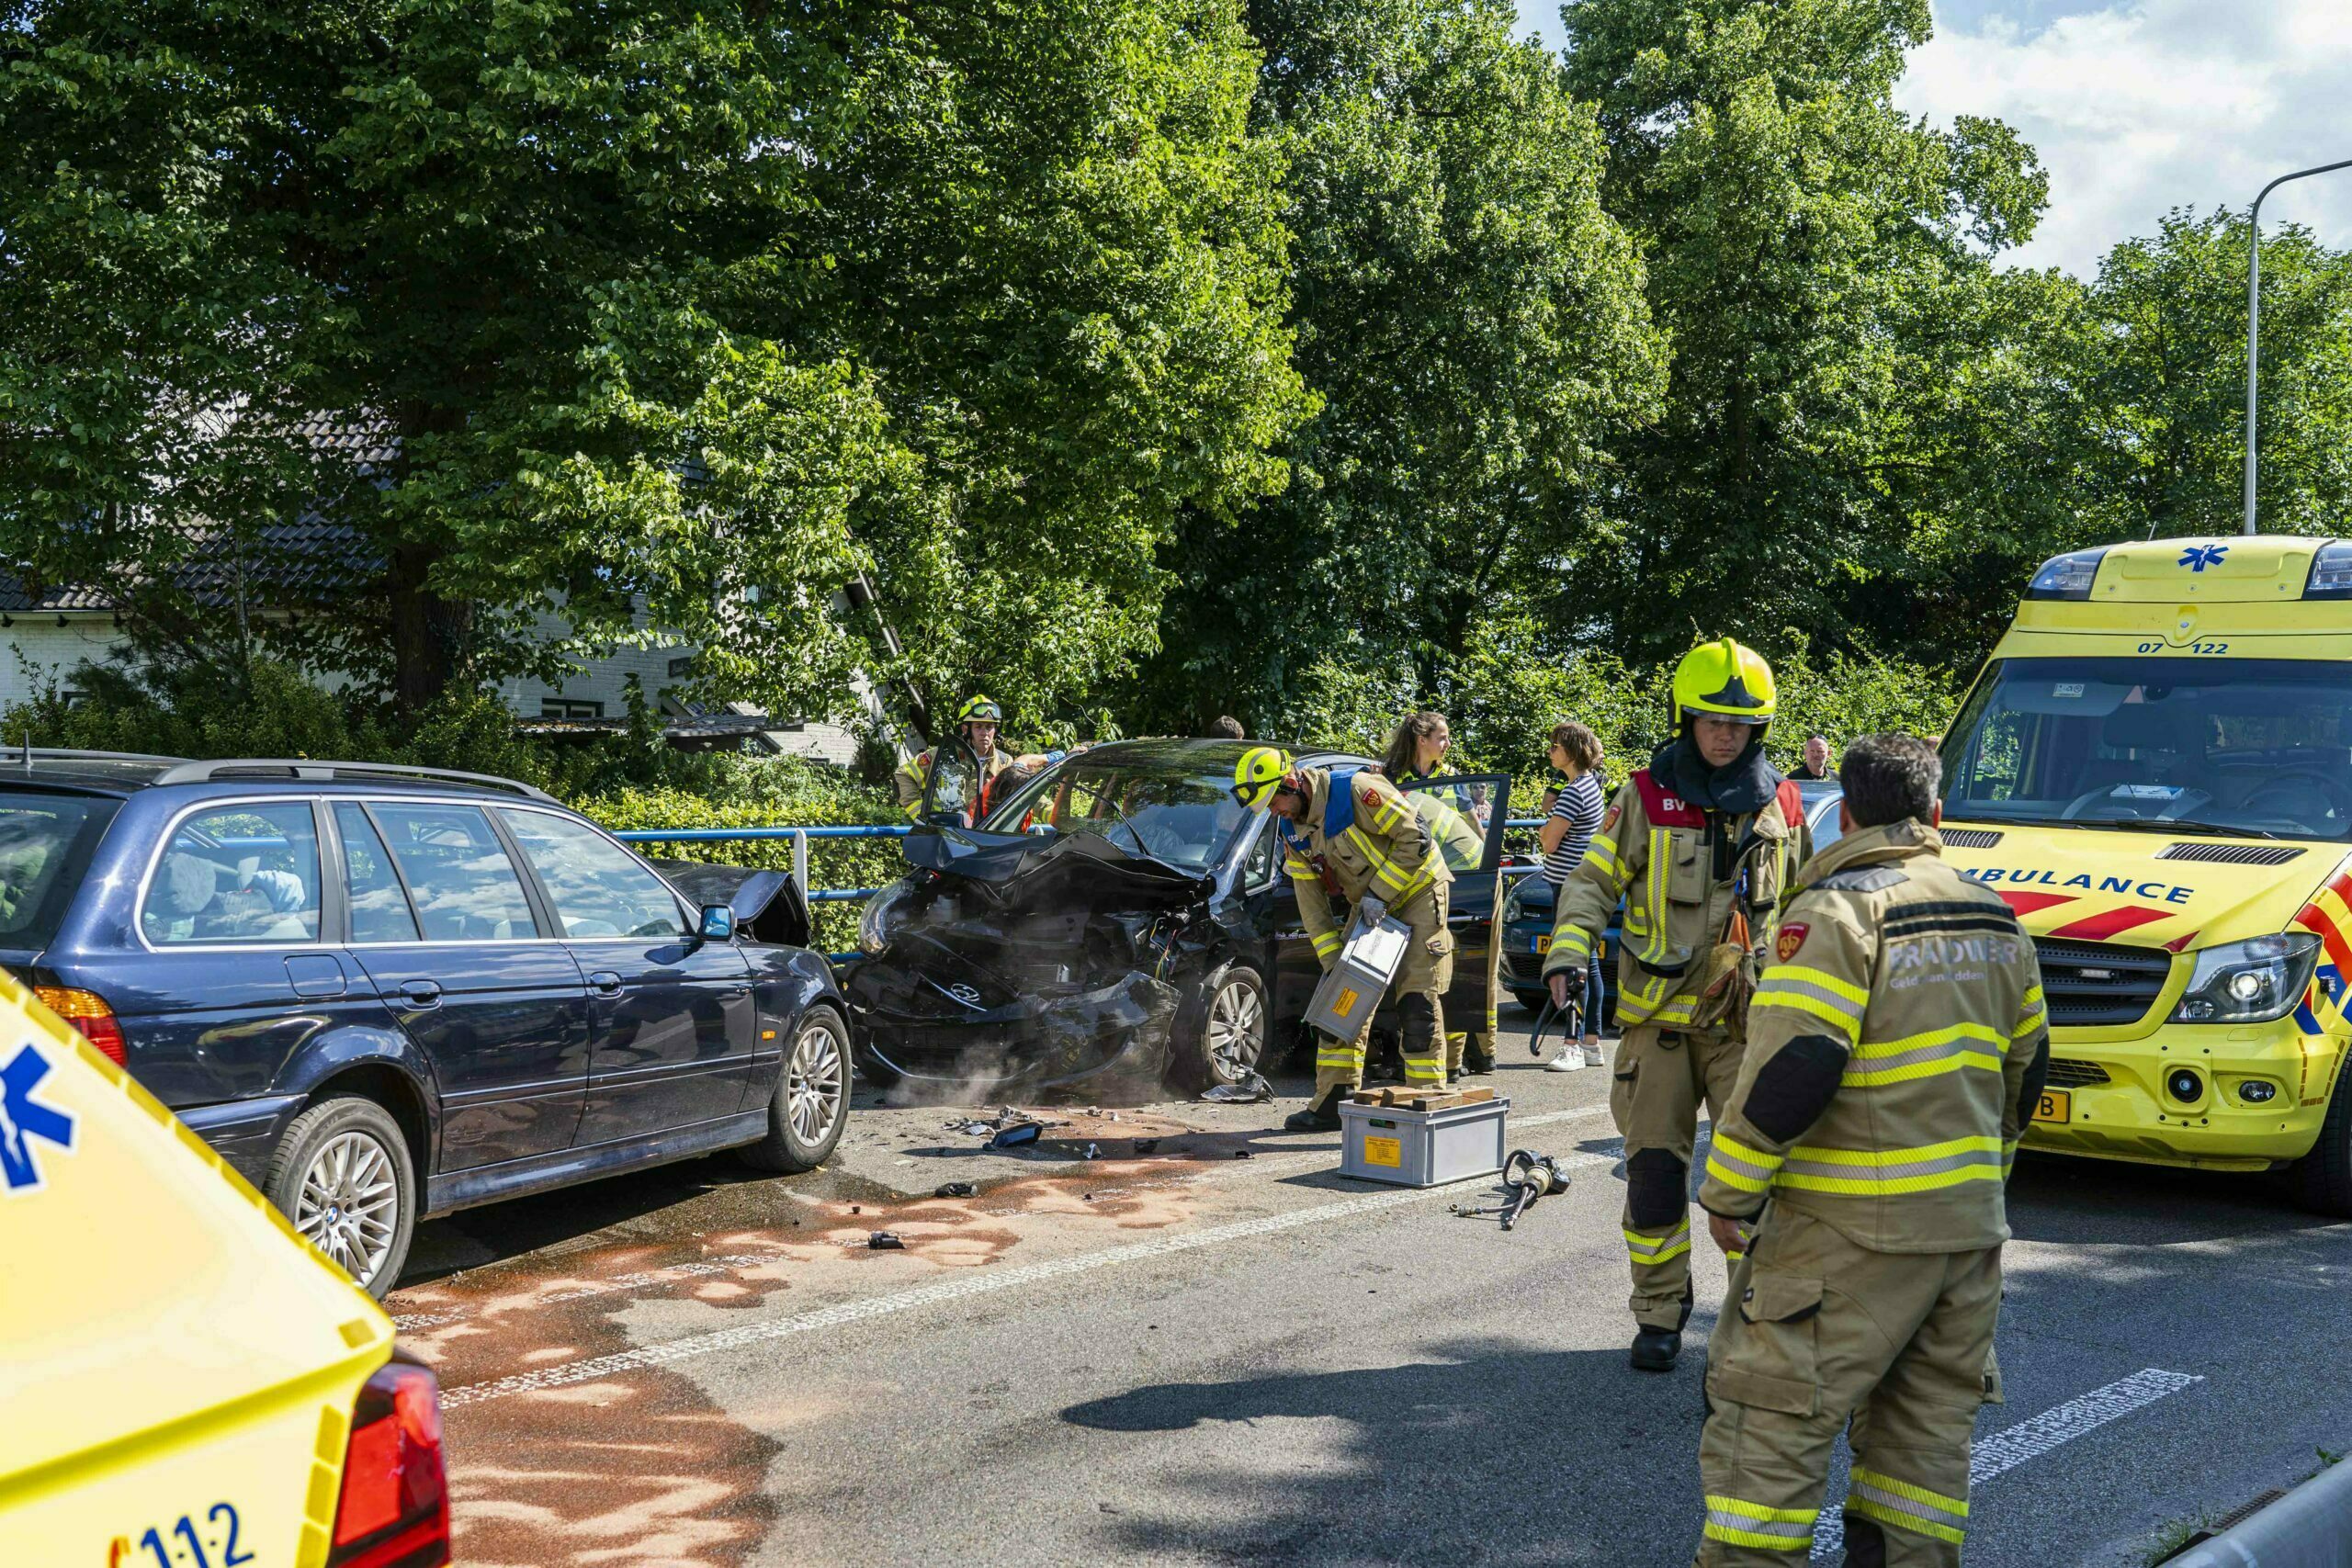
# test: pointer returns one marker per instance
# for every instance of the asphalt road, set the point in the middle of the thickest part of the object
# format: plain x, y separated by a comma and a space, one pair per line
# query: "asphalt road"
1183, 1357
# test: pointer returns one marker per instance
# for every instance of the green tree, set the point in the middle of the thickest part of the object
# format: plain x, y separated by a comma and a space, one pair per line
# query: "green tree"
1808, 246
1471, 318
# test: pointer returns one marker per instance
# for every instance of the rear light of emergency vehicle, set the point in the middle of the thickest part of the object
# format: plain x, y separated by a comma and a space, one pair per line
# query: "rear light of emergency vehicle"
2066, 577
2331, 575
87, 1011
394, 1511
2248, 982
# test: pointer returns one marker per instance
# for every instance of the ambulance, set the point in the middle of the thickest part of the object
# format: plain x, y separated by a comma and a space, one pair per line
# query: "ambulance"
2155, 771
186, 1382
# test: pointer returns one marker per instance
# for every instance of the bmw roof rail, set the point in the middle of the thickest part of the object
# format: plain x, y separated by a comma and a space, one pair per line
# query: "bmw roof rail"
311, 768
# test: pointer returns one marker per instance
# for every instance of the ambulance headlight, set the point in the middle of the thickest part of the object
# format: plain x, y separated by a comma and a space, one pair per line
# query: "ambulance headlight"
2249, 982
2066, 577
2331, 575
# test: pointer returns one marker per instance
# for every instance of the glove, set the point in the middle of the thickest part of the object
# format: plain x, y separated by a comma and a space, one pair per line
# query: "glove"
1372, 910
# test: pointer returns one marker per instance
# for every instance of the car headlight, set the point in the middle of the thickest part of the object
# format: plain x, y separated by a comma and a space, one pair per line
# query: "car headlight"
883, 914
1512, 909
2248, 982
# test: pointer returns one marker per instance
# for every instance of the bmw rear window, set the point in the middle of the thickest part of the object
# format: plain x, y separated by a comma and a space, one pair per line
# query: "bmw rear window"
46, 841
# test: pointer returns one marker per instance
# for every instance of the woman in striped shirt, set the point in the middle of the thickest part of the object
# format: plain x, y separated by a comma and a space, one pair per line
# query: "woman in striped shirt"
1571, 815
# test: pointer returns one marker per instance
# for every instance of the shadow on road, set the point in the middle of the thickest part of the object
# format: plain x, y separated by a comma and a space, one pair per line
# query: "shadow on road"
2070, 1201
1485, 1455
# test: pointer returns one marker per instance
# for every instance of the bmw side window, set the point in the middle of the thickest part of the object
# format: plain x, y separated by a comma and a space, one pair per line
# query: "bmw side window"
1259, 871
378, 906
597, 890
246, 873
463, 886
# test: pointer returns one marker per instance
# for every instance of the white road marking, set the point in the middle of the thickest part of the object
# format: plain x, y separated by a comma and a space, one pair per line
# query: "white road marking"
2029, 1439
978, 1283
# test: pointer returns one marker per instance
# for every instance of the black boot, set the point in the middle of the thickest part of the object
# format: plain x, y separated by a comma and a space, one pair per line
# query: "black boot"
1477, 1060
1655, 1348
1320, 1117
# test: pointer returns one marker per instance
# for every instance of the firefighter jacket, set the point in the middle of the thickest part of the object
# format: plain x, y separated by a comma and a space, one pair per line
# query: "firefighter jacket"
1893, 1046
1691, 881
1360, 836
915, 773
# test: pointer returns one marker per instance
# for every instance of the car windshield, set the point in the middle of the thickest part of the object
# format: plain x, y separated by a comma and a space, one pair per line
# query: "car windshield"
2251, 746
1184, 819
46, 841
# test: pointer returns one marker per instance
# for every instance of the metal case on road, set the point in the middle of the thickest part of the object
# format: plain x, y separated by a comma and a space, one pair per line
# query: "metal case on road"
1421, 1148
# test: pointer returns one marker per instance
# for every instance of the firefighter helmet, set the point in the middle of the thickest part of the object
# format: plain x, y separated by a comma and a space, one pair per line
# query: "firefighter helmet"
979, 710
1722, 680
1259, 775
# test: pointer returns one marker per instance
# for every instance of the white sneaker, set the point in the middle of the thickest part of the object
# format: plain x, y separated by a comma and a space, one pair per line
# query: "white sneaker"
1593, 1058
1569, 1060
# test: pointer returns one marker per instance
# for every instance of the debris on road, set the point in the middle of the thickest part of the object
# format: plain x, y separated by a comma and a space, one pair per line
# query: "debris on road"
1527, 1176
1242, 1153
1093, 1151
957, 1190
886, 1241
1248, 1089
1015, 1137
1144, 1145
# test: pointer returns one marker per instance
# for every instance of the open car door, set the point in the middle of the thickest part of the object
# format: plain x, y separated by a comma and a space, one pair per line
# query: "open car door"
1465, 815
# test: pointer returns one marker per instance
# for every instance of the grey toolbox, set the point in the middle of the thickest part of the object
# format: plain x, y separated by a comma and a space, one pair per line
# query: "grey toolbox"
1351, 993
1459, 1137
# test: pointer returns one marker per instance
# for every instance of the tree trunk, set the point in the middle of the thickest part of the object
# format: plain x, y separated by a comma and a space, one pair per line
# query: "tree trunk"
429, 632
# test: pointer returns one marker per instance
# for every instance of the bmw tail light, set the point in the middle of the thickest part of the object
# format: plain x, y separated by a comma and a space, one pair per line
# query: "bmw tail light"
87, 1012
394, 1511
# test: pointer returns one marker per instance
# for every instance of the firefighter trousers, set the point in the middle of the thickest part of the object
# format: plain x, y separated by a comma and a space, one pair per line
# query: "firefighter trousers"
1819, 1332
1419, 986
1661, 1079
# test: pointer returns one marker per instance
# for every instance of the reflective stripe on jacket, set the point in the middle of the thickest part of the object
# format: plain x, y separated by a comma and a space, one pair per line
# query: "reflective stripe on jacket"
1381, 848
1887, 1050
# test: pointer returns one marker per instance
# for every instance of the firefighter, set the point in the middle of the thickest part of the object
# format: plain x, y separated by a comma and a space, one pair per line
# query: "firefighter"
978, 722
1895, 1047
1348, 832
1699, 845
1415, 755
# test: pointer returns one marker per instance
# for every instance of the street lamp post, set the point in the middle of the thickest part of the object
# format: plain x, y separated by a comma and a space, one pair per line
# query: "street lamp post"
2254, 316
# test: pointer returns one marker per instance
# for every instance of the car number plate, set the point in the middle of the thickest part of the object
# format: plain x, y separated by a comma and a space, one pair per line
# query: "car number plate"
2055, 1105
1541, 944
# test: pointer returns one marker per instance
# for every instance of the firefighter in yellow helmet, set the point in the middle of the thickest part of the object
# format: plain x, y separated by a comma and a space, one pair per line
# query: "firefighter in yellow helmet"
1347, 833
1898, 1041
1698, 845
978, 721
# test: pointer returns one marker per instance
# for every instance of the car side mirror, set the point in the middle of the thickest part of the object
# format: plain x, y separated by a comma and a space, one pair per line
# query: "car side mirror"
945, 818
717, 923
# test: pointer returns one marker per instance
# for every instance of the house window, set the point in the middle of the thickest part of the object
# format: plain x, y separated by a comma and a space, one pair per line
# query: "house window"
683, 664
567, 708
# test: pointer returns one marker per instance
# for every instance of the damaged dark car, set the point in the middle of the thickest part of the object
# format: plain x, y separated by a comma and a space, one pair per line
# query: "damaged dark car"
1117, 923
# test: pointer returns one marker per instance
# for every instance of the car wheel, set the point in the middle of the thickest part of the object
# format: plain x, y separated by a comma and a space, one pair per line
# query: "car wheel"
2323, 1178
1534, 1002
341, 1175
1228, 1029
811, 1105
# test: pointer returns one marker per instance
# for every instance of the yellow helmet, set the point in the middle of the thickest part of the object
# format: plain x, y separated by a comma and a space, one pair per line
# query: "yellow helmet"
1259, 773
1726, 680
979, 710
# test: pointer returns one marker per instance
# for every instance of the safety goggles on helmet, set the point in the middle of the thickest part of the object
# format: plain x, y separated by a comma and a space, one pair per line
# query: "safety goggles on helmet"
979, 710
1259, 773
1723, 680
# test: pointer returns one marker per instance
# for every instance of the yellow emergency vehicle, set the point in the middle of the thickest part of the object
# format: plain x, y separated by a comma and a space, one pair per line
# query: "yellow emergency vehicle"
186, 1382
2155, 770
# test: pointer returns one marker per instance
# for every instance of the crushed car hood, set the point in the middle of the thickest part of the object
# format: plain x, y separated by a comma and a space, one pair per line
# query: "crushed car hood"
1027, 871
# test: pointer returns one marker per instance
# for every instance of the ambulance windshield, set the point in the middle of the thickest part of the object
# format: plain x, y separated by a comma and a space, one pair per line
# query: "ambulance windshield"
2260, 748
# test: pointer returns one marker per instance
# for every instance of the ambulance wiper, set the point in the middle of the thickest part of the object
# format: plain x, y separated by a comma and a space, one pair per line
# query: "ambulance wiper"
2174, 825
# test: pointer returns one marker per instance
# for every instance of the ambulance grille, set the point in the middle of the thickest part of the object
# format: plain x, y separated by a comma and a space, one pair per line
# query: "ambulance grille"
2231, 854
2065, 1073
2088, 984
1969, 837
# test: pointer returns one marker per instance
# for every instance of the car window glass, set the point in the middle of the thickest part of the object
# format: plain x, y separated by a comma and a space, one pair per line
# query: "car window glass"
597, 889
1144, 808
237, 873
1261, 869
1456, 812
465, 887
380, 910
46, 841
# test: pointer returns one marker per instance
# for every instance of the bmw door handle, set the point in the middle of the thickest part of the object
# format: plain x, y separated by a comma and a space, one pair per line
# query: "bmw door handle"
605, 982
421, 993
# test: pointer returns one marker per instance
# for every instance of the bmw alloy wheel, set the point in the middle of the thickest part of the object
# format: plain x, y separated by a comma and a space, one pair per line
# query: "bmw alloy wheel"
812, 1085
349, 1206
1236, 1026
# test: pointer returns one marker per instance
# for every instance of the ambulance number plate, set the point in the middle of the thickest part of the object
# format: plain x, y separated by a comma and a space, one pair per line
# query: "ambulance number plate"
2055, 1105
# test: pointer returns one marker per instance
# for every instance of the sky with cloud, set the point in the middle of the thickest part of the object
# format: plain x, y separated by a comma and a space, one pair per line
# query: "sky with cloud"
2140, 106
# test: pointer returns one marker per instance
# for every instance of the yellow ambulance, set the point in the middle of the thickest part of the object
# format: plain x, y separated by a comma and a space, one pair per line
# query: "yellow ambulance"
2155, 771
186, 1382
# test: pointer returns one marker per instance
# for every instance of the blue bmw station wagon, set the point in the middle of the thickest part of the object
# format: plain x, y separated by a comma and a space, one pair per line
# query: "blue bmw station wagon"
384, 993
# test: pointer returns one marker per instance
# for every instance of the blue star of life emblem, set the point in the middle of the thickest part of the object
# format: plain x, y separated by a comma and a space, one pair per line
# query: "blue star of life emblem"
2197, 557
22, 1120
